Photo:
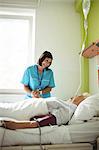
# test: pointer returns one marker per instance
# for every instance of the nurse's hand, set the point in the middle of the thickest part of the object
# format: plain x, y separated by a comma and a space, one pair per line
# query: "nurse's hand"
35, 94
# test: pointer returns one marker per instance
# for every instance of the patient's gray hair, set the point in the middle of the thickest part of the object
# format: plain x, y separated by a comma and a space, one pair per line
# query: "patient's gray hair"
86, 94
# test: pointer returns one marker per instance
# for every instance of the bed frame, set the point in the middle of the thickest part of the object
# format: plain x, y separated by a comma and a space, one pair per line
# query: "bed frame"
76, 146
72, 146
98, 143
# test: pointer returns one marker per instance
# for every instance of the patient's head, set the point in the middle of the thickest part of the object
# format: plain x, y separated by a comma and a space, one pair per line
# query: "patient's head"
78, 99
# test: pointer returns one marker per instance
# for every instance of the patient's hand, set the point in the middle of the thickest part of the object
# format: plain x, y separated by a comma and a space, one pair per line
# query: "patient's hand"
9, 125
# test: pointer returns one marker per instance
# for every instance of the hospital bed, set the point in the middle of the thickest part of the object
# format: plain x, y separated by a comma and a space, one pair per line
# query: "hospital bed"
79, 136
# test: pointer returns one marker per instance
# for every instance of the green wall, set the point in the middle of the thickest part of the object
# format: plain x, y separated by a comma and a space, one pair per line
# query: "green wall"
93, 21
93, 35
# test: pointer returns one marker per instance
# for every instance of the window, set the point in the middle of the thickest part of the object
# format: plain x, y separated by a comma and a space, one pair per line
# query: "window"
17, 40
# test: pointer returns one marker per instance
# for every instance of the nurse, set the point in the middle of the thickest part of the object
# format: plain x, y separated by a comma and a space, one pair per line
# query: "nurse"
38, 80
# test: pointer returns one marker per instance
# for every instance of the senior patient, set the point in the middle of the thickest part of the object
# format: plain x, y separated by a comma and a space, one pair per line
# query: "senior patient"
55, 116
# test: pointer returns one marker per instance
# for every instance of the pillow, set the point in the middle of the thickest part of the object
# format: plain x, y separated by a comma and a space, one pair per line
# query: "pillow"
86, 110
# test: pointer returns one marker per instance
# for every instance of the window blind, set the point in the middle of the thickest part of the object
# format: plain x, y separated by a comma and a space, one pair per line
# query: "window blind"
19, 3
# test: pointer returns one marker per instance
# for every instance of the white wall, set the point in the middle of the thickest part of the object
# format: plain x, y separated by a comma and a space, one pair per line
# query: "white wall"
58, 30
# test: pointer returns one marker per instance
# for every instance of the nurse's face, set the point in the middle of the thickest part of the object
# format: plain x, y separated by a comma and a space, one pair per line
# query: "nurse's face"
47, 62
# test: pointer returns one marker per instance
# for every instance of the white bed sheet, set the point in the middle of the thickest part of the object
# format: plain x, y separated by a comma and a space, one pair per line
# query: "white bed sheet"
86, 132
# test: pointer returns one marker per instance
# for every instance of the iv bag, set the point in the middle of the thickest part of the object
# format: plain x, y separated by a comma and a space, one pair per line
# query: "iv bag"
86, 7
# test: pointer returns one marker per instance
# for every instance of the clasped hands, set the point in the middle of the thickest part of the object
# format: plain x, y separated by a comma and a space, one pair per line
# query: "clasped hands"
35, 94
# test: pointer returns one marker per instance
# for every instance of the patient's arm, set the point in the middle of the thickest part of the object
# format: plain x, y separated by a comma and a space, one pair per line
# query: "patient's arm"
43, 120
19, 124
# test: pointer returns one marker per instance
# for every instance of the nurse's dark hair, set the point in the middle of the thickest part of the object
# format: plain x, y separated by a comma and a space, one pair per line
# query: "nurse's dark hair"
44, 55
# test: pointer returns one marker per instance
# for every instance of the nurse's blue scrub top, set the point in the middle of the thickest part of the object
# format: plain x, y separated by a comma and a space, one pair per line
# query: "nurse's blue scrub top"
35, 81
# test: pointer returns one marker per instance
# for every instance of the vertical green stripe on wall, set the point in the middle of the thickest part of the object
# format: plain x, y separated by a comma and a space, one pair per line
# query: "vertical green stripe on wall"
85, 75
84, 61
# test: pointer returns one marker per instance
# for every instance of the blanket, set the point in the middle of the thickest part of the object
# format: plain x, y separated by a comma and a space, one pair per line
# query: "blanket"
62, 110
24, 110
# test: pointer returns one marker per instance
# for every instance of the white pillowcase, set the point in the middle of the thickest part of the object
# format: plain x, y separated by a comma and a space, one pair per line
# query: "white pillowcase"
86, 110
